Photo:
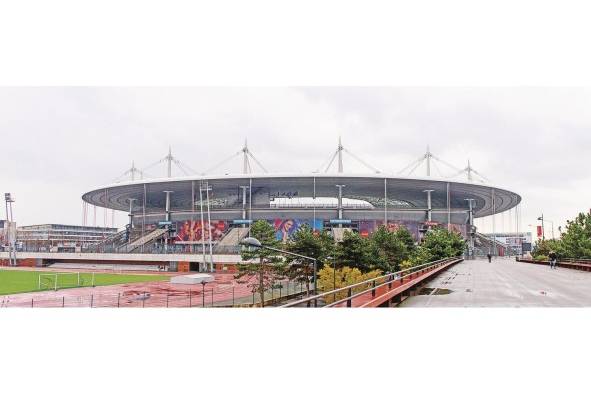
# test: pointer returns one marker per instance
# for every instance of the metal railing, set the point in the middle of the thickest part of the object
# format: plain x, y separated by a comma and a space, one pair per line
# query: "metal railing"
370, 285
226, 297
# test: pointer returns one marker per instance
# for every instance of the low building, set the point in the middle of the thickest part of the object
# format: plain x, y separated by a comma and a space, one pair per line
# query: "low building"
60, 237
513, 240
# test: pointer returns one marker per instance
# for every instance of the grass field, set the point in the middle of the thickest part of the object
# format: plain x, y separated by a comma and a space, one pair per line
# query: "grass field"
12, 282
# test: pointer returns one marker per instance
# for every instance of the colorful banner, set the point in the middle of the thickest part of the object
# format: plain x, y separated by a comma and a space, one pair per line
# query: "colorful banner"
192, 231
285, 228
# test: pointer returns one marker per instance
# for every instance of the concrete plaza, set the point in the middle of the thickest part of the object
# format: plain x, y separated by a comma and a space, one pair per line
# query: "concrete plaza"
505, 283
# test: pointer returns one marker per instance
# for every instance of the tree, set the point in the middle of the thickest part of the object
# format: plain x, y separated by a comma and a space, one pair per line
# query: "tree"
270, 267
543, 248
306, 243
355, 251
442, 244
342, 277
576, 240
420, 255
406, 238
391, 248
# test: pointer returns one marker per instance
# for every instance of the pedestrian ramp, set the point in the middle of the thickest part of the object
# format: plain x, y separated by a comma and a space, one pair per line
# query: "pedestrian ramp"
147, 238
234, 236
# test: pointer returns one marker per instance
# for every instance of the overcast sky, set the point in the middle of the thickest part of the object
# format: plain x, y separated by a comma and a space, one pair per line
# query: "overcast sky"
61, 142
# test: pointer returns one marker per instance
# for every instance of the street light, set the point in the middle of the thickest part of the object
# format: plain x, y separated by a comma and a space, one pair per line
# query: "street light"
255, 243
551, 222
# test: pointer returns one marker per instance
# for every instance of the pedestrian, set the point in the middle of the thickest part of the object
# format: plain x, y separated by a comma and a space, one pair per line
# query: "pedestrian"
489, 257
552, 257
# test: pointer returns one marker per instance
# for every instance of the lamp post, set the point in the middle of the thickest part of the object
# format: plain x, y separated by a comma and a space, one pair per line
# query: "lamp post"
543, 230
471, 225
255, 243
203, 294
11, 231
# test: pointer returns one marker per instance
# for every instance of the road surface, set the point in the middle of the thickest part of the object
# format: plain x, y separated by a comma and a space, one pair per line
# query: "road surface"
505, 283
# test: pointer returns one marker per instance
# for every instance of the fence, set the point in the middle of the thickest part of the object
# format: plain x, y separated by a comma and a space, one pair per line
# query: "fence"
370, 288
228, 296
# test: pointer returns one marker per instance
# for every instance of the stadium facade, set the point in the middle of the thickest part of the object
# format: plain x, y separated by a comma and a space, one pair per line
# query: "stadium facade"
195, 214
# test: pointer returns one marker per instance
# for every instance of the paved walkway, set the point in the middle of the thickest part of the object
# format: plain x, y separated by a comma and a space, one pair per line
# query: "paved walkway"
505, 283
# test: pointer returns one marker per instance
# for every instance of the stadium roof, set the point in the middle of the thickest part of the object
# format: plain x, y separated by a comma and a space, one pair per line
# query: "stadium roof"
401, 192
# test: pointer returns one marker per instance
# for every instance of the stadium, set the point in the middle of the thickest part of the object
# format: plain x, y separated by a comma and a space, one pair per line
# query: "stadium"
210, 214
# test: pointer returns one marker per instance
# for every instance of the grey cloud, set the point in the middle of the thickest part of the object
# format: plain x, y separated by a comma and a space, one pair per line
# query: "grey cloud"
64, 141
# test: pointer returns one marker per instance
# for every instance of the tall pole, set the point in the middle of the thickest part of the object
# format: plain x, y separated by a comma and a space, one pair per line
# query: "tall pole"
244, 188
448, 206
314, 205
144, 214
168, 218
207, 189
429, 207
203, 264
340, 204
470, 224
11, 234
192, 247
131, 200
386, 202
494, 212
249, 205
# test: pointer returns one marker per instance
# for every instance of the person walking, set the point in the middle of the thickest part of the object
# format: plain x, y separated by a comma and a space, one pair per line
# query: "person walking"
553, 258
489, 257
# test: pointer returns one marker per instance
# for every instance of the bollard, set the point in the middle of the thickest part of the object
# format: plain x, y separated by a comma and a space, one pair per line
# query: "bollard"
144, 301
91, 300
212, 298
390, 282
373, 288
63, 301
190, 300
349, 294
31, 302
232, 295
118, 299
167, 300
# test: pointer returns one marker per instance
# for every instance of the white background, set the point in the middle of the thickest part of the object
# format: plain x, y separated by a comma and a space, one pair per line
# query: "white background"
271, 43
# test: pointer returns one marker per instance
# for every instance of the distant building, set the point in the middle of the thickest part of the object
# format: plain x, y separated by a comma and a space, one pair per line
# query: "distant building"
7, 230
512, 240
60, 237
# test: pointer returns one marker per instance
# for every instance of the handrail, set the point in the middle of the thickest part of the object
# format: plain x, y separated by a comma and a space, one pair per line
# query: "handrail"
393, 275
374, 288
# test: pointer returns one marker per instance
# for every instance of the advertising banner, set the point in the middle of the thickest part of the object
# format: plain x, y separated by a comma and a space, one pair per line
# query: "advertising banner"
285, 228
191, 231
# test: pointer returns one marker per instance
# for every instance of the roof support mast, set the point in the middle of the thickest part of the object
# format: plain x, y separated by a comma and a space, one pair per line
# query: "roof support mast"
428, 157
340, 151
169, 160
338, 155
245, 154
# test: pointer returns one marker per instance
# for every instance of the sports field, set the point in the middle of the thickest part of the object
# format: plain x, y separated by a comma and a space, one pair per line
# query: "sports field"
12, 281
